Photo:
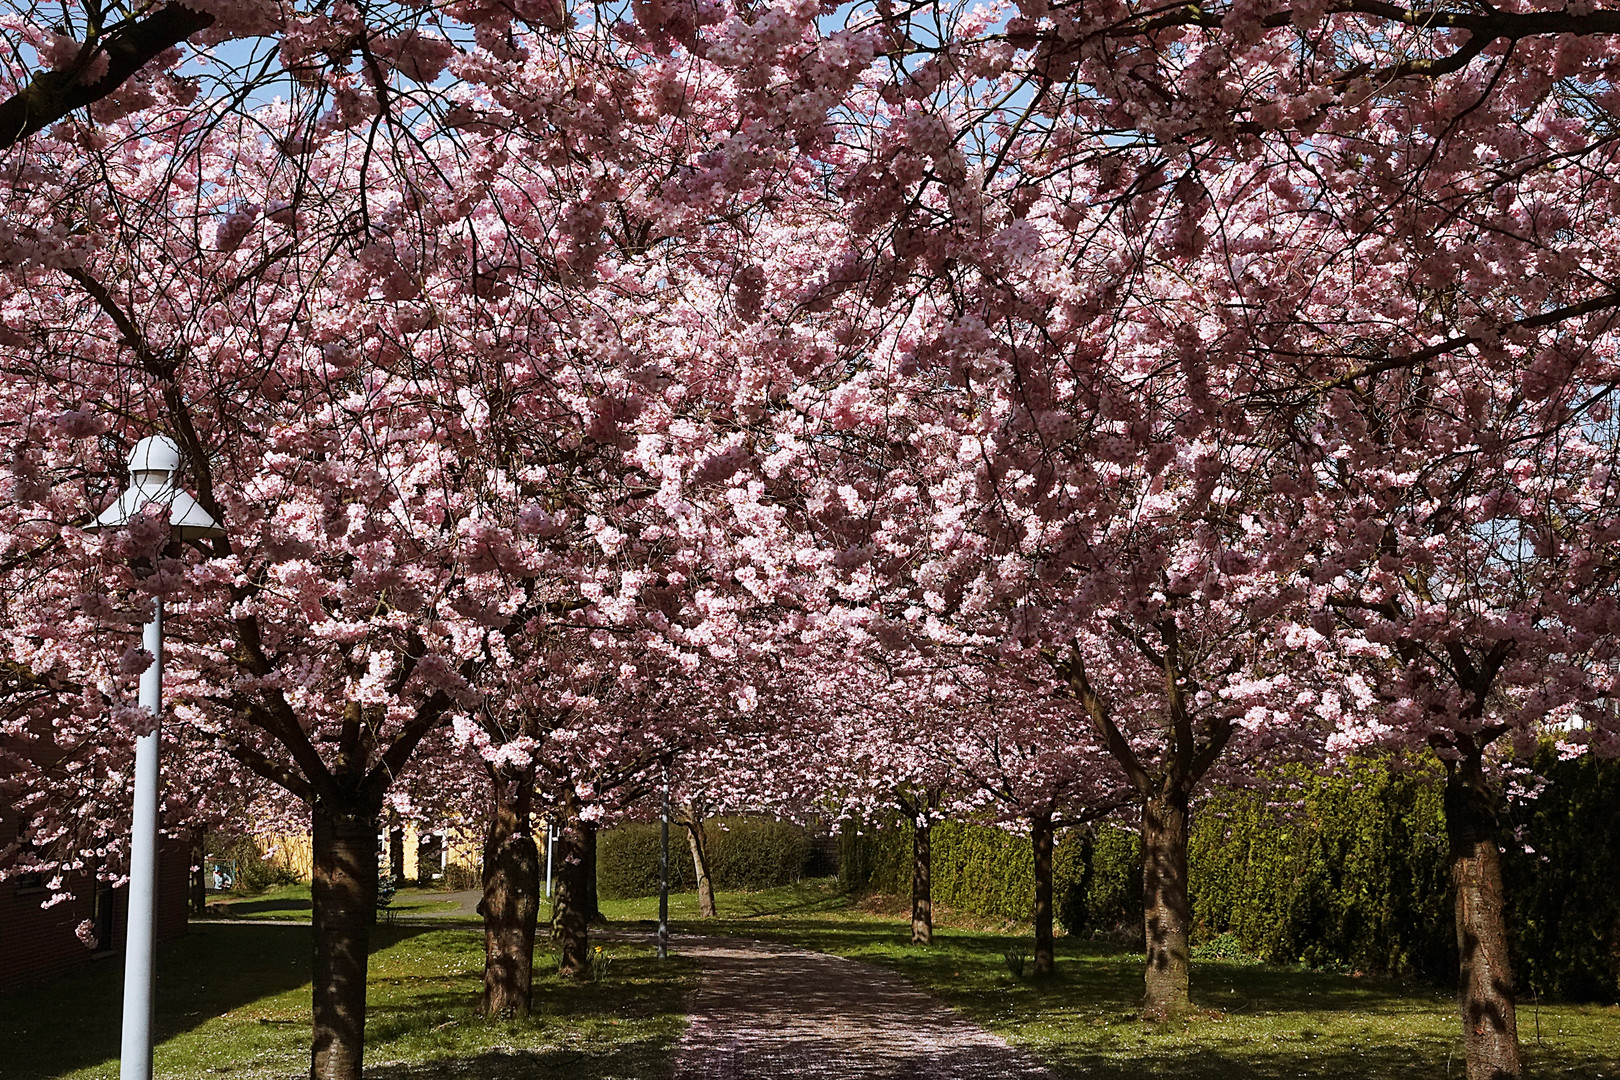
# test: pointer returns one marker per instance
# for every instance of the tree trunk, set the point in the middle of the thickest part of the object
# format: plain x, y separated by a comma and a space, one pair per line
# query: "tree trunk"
698, 840
922, 894
1040, 834
592, 902
511, 902
427, 858
343, 895
1088, 874
396, 854
199, 870
569, 924
1166, 913
1485, 978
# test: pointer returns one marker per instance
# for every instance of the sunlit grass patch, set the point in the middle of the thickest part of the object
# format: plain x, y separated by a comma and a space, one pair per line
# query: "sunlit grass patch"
1251, 1020
291, 902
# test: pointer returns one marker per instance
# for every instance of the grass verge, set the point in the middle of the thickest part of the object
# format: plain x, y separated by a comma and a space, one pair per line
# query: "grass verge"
291, 903
233, 1001
1252, 1021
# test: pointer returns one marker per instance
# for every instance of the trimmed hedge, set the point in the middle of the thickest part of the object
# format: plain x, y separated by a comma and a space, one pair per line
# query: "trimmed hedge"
1096, 873
744, 853
1564, 891
1348, 870
978, 869
627, 861
1097, 881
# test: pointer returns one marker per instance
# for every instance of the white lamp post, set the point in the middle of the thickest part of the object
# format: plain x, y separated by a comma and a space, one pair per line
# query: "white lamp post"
154, 469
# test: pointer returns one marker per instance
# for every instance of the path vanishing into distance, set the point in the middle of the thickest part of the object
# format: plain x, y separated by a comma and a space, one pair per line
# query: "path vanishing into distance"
763, 1012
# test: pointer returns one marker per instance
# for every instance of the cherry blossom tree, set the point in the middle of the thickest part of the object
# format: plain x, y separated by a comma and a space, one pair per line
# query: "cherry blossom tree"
1023, 762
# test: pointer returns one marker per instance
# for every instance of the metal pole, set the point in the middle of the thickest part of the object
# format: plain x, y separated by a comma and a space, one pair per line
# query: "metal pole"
551, 843
663, 874
135, 1055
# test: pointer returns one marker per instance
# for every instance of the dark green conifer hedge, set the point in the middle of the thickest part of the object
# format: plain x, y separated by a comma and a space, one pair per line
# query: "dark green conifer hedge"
1347, 870
744, 853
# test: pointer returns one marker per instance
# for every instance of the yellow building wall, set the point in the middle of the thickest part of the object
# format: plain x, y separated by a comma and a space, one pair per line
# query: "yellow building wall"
295, 852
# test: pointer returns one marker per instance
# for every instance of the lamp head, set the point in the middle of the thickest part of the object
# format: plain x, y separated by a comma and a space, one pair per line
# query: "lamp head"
155, 458
154, 470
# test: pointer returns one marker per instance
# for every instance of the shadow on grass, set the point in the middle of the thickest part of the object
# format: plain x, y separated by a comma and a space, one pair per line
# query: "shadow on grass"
1252, 1021
74, 1023
239, 909
1206, 1063
625, 1025
640, 1058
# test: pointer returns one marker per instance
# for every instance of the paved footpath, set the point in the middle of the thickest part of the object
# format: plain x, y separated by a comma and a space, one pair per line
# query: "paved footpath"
767, 1013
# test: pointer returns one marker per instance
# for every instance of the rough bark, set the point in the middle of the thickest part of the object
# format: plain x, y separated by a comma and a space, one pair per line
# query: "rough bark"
922, 893
592, 902
199, 881
1485, 990
427, 859
511, 901
396, 854
698, 840
1040, 834
343, 894
1166, 915
569, 924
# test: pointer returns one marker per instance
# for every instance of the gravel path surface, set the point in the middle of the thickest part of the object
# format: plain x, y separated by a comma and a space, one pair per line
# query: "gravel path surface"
766, 1013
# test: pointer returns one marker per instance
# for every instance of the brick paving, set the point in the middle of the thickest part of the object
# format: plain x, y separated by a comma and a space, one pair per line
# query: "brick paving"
766, 1013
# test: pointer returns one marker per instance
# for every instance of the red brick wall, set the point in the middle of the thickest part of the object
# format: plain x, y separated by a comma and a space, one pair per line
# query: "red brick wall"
40, 943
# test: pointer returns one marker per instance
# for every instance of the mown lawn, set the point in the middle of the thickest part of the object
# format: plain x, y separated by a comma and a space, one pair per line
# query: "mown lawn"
291, 903
1253, 1021
233, 1001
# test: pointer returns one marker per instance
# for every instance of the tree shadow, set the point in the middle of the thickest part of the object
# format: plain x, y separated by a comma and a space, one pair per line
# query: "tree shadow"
75, 1022
624, 1025
641, 1058
236, 909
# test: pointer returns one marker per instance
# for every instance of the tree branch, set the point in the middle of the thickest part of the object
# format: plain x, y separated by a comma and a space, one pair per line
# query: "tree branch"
51, 95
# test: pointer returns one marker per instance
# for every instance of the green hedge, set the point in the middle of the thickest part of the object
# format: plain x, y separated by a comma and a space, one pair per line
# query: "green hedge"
754, 853
627, 861
978, 869
1564, 893
1097, 881
1348, 870
989, 871
744, 853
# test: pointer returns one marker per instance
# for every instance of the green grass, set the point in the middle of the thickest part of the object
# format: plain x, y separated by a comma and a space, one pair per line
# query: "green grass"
291, 903
233, 1001
1253, 1021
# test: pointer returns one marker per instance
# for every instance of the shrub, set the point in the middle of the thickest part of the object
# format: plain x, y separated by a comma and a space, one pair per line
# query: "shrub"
627, 861
752, 852
254, 872
459, 877
1561, 868
744, 853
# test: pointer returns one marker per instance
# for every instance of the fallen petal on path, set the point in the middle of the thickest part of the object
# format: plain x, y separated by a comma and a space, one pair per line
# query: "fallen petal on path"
765, 1013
